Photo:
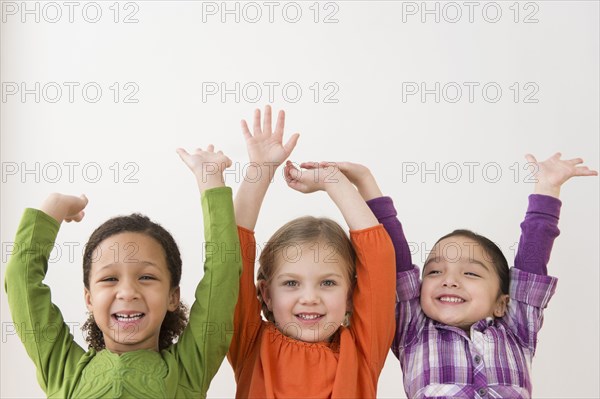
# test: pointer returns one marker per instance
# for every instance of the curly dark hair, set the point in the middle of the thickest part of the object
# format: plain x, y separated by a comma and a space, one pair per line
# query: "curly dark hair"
174, 322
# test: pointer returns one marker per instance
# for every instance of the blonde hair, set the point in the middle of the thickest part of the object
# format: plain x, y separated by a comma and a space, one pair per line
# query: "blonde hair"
299, 232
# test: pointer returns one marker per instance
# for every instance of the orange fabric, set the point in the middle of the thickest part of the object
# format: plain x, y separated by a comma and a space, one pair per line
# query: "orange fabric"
268, 364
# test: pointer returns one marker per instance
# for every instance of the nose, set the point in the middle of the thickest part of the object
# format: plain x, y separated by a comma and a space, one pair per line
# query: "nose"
127, 291
450, 281
309, 296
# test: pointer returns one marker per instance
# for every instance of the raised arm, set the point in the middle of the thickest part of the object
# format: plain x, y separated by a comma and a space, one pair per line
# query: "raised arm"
383, 209
540, 227
205, 341
266, 153
530, 286
39, 323
408, 310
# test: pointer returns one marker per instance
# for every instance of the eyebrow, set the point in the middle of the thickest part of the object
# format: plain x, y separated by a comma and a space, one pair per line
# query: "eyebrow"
472, 261
293, 275
142, 263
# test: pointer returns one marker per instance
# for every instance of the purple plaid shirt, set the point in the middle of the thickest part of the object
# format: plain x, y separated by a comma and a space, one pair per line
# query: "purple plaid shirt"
494, 360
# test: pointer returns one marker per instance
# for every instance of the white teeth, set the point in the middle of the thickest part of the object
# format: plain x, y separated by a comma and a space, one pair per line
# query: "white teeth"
451, 299
130, 317
309, 316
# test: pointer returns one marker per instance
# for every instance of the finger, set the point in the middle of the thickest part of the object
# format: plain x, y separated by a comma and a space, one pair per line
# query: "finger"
257, 121
78, 217
291, 144
279, 127
530, 158
585, 171
575, 161
292, 171
228, 162
245, 130
198, 149
343, 166
267, 120
286, 172
183, 154
85, 199
309, 165
557, 155
211, 148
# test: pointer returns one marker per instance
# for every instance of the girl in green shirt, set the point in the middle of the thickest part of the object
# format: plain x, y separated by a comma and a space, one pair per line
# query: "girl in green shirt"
132, 270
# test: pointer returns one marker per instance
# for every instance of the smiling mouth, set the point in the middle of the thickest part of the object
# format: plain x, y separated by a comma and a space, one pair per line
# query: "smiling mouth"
451, 299
128, 318
309, 316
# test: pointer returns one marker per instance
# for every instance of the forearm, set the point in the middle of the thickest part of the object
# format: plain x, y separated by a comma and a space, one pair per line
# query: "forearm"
384, 211
356, 212
368, 188
251, 194
538, 231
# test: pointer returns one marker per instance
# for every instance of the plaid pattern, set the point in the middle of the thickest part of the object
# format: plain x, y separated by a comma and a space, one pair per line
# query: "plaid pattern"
494, 362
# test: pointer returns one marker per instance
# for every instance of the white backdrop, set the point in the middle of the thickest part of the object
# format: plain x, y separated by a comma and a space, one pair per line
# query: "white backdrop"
440, 99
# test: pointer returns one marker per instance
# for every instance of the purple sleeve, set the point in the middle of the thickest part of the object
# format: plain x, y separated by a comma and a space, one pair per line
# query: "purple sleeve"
538, 231
384, 211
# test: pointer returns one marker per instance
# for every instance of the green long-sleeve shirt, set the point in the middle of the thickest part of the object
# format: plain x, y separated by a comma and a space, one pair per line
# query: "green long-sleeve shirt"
184, 370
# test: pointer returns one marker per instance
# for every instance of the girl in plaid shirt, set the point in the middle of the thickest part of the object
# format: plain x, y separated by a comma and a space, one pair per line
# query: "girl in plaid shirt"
469, 328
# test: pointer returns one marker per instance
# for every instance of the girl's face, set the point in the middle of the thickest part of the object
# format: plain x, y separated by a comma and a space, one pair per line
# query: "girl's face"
309, 292
460, 284
130, 291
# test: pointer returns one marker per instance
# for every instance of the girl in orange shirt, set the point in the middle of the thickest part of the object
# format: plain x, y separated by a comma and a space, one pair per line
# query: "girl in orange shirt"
329, 301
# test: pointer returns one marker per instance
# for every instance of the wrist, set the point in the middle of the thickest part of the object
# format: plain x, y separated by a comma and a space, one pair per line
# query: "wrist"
211, 181
545, 189
54, 207
260, 170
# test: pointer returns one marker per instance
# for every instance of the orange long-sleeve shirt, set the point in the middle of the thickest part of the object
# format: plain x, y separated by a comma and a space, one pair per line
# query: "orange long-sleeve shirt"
268, 364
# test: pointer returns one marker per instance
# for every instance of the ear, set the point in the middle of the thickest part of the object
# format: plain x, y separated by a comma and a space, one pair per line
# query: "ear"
265, 294
501, 305
87, 296
174, 299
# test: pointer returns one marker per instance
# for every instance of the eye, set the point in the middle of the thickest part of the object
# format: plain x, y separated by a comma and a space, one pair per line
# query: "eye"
433, 272
290, 283
108, 279
471, 274
329, 283
147, 278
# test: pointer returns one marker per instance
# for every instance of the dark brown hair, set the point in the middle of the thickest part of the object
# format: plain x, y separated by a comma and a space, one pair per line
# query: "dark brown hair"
297, 233
174, 322
490, 249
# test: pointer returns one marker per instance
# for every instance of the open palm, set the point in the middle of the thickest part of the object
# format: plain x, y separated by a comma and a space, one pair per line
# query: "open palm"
265, 145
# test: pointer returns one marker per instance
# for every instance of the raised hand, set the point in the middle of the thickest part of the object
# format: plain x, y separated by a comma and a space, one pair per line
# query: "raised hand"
315, 176
265, 146
358, 174
207, 165
552, 173
68, 208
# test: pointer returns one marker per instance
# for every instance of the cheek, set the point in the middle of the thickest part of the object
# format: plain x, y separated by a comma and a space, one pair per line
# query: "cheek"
425, 288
